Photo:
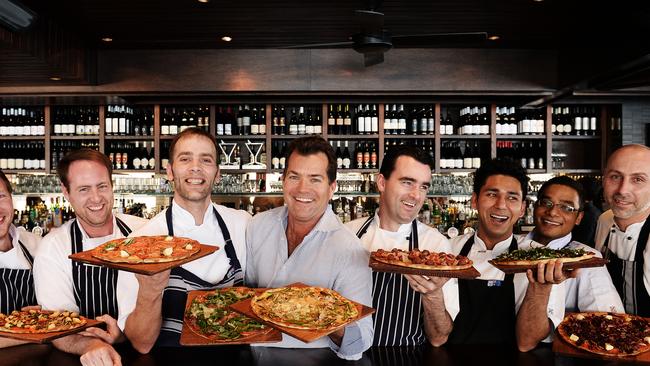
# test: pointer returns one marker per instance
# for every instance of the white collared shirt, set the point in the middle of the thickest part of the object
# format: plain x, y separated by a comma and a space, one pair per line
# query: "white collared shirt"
592, 289
14, 258
53, 269
428, 239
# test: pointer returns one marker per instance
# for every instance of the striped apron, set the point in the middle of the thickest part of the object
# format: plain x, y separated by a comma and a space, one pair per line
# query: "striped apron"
399, 318
17, 286
181, 281
94, 286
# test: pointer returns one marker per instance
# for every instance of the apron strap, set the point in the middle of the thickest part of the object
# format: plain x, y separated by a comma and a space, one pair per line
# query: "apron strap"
28, 256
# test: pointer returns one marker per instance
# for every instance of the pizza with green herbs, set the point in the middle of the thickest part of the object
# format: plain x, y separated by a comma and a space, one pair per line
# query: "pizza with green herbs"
538, 255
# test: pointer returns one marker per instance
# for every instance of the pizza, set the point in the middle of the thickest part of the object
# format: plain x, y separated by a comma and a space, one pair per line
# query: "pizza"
309, 308
209, 317
607, 334
538, 255
147, 249
40, 321
422, 259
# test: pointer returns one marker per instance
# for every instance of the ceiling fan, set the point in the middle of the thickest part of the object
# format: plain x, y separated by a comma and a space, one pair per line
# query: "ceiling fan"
374, 40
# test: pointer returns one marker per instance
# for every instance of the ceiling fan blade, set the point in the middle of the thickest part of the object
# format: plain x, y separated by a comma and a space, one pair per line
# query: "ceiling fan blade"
442, 38
371, 22
373, 58
320, 45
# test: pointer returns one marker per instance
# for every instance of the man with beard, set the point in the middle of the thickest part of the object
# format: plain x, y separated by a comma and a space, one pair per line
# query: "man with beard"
499, 308
427, 304
623, 231
152, 307
62, 284
559, 208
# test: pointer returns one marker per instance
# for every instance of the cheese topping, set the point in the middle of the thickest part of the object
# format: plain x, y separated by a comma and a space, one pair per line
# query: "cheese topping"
608, 347
124, 254
574, 337
168, 251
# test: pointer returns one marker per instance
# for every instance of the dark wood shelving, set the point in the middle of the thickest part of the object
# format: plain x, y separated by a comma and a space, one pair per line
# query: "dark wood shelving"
76, 137
131, 138
22, 138
409, 137
574, 137
353, 137
521, 137
465, 137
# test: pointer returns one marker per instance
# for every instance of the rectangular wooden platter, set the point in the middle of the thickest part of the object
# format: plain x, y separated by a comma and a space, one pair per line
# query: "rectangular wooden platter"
469, 273
244, 307
142, 268
563, 348
190, 338
49, 337
593, 262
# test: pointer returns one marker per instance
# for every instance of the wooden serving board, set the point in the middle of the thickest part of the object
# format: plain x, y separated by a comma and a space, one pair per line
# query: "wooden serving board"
142, 268
190, 338
561, 347
592, 262
469, 273
49, 337
244, 307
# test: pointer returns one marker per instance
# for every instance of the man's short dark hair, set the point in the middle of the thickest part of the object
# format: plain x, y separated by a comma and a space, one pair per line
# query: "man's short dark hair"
388, 163
311, 145
193, 131
563, 180
63, 167
501, 166
5, 180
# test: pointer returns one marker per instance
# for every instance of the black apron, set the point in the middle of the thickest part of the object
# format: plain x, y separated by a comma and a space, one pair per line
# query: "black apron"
95, 287
17, 286
487, 308
399, 318
617, 268
181, 281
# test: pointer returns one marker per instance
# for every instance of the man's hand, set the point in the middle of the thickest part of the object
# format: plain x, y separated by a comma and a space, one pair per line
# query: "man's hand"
31, 307
101, 354
427, 286
550, 273
111, 335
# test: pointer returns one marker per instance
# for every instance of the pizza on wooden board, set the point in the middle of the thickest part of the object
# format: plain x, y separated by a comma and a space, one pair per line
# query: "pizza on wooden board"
208, 316
147, 249
608, 334
538, 255
308, 308
40, 321
422, 259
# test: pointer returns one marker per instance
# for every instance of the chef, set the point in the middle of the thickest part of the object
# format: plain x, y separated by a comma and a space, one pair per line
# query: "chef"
411, 309
152, 307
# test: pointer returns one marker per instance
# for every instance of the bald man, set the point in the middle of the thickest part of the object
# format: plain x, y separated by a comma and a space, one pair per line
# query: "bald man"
622, 232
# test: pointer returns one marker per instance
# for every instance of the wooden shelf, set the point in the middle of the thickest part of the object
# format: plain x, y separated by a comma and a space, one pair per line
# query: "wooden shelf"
521, 137
22, 138
577, 171
126, 171
130, 138
409, 137
465, 137
353, 137
23, 171
240, 137
75, 137
573, 137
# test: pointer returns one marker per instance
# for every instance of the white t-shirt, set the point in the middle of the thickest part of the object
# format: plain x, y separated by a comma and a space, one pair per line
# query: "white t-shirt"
211, 268
53, 269
480, 255
428, 239
14, 258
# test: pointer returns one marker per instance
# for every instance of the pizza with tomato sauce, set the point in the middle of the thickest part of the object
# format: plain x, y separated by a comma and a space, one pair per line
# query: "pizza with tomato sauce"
147, 249
422, 259
40, 321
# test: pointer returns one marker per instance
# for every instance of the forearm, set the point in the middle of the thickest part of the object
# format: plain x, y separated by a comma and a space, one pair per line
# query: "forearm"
532, 321
8, 342
437, 322
143, 325
75, 344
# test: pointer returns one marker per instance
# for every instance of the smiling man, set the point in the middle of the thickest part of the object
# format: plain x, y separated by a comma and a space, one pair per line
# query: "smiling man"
62, 284
410, 309
558, 209
152, 307
623, 231
497, 308
305, 242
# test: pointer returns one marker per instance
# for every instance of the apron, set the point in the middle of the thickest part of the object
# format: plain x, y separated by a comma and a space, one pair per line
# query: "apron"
17, 286
95, 287
399, 319
487, 308
627, 276
181, 281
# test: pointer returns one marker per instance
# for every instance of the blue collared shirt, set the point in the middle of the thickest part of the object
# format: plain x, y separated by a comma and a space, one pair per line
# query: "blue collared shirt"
329, 256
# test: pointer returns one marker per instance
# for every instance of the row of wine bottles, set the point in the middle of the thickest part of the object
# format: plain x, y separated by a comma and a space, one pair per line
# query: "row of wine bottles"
27, 155
20, 121
132, 155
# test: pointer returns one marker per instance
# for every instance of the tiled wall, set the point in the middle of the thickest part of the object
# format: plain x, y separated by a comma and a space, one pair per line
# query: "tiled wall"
636, 116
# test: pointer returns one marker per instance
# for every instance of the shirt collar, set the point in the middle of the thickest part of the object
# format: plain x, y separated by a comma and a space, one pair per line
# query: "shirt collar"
85, 235
558, 243
403, 228
186, 218
500, 247
15, 235
328, 221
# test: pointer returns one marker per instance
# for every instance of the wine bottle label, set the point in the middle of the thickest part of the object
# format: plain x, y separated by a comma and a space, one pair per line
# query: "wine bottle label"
164, 130
136, 163
4, 163
220, 129
227, 129
255, 129
346, 163
449, 130
339, 162
309, 130
262, 129
476, 163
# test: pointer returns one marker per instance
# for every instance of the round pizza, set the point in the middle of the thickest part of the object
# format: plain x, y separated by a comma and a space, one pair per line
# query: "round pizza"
309, 308
538, 255
40, 321
147, 249
209, 317
422, 259
607, 334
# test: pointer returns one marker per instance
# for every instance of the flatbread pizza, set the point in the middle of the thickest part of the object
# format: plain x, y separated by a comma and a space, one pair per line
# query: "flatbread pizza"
147, 249
40, 321
538, 255
422, 259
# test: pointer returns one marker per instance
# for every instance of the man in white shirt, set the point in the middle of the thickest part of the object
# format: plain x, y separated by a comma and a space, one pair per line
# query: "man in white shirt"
497, 308
62, 284
305, 242
622, 232
152, 307
558, 209
17, 250
409, 308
